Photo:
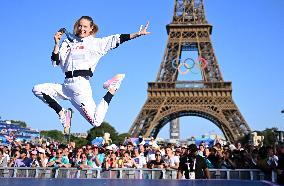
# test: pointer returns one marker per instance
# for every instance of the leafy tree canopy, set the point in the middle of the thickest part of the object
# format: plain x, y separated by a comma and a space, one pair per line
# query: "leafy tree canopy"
21, 123
53, 134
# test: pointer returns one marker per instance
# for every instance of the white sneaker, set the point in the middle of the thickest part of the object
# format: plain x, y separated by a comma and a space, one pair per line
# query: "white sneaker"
114, 82
65, 120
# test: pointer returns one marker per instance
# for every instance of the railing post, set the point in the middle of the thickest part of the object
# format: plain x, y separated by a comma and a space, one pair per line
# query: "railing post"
78, 174
228, 174
15, 173
218, 174
6, 173
164, 173
89, 173
36, 173
251, 175
120, 173
98, 173
140, 174
153, 174
273, 176
56, 173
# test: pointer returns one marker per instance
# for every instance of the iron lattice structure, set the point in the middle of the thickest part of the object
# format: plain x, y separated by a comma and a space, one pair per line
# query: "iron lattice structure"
210, 98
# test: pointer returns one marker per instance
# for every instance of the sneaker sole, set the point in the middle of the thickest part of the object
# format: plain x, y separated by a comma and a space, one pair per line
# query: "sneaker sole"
107, 84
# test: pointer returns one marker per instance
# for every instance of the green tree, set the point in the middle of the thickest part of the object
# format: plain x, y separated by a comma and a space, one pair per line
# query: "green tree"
79, 141
53, 134
99, 132
269, 136
21, 123
121, 137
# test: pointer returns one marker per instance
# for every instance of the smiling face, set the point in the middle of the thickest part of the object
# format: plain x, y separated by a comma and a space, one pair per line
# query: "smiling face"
84, 28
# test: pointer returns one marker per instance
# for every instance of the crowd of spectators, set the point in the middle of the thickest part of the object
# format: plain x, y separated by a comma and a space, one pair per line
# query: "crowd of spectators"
143, 155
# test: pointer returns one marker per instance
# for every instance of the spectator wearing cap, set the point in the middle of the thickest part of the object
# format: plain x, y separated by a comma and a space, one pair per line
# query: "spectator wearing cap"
120, 151
97, 158
108, 151
23, 161
193, 166
34, 158
59, 160
42, 159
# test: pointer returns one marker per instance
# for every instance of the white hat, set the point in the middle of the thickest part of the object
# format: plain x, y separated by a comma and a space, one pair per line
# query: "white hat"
108, 148
122, 147
41, 150
155, 146
34, 152
113, 146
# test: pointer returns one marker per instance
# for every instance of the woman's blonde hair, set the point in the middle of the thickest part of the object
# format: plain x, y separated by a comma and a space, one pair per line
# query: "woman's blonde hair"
94, 27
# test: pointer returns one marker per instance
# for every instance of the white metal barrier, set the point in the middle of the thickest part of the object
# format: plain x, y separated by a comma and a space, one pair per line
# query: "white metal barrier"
129, 173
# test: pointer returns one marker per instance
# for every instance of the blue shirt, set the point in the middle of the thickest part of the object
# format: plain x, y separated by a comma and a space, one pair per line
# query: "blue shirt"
23, 162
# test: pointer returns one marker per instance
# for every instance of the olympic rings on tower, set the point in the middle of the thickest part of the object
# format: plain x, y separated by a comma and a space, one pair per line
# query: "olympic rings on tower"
200, 64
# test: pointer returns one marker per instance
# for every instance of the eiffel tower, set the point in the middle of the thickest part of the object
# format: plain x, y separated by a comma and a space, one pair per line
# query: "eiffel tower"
209, 98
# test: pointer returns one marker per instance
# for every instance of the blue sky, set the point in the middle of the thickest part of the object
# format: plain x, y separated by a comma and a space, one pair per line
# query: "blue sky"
247, 38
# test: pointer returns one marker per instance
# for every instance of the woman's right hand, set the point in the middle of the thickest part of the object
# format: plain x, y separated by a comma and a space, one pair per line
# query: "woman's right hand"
57, 37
